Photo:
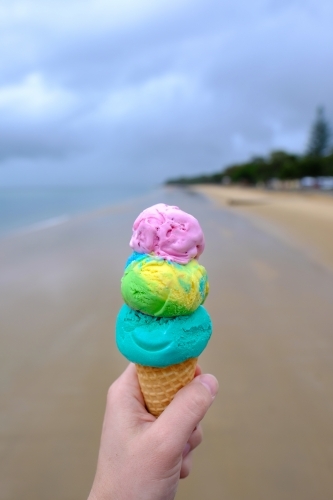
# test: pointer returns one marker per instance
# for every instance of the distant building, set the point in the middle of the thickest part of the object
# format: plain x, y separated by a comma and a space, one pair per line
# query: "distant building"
226, 180
324, 183
309, 182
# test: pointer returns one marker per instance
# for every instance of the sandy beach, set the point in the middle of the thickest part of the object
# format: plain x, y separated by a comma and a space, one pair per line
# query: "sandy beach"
304, 219
269, 435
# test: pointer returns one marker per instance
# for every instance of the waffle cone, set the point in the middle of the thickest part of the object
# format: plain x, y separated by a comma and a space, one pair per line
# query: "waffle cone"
159, 385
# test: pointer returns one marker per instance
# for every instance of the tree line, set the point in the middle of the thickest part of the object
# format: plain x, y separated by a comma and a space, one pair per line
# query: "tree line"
317, 161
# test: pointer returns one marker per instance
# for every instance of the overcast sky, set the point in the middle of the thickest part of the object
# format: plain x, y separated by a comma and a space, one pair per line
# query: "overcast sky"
104, 91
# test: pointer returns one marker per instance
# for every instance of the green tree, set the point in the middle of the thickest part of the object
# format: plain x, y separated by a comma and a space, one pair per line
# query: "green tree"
320, 136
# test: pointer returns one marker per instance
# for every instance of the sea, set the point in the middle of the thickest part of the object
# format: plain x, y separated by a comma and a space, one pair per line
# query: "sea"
31, 208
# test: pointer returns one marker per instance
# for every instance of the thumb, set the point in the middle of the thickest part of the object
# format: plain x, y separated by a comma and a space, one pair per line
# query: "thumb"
187, 409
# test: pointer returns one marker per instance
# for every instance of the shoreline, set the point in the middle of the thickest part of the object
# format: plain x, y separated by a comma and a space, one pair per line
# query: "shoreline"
303, 219
45, 216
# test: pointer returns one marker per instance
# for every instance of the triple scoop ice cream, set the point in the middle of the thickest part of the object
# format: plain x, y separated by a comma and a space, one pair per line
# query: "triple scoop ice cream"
163, 327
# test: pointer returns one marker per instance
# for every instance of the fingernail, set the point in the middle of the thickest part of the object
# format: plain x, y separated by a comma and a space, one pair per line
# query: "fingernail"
186, 450
210, 382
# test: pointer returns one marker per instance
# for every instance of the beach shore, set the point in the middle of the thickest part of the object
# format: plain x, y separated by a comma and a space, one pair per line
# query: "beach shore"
269, 433
303, 218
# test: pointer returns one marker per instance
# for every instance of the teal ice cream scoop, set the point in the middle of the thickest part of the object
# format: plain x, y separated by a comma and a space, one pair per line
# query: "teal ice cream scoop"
160, 342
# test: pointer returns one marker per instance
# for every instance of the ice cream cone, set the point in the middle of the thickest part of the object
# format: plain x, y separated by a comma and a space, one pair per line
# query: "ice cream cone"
160, 385
162, 321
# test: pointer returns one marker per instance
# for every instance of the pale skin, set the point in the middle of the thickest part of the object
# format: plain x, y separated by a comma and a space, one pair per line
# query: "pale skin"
141, 457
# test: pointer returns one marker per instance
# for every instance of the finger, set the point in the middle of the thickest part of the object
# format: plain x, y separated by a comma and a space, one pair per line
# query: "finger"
186, 466
198, 371
186, 410
187, 458
194, 440
128, 384
126, 395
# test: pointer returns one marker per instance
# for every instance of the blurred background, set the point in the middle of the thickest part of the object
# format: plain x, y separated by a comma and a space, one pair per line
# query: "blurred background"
224, 109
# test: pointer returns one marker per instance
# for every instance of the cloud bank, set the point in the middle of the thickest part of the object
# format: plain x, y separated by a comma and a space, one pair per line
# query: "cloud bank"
102, 92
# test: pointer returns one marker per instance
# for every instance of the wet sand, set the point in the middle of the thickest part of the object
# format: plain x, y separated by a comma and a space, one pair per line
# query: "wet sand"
269, 435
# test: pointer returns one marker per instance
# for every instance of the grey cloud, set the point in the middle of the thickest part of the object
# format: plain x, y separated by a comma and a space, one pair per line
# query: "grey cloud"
188, 90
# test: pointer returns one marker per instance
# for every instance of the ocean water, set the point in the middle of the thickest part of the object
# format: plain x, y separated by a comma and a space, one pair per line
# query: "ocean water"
25, 208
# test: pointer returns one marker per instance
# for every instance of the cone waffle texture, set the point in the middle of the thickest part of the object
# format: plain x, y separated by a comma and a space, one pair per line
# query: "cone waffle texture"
160, 385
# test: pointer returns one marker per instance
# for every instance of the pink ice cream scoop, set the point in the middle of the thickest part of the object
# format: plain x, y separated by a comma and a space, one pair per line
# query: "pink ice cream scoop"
169, 232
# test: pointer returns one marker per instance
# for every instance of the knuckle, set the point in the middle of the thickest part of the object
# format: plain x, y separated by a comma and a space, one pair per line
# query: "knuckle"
112, 392
196, 439
200, 436
186, 466
198, 404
